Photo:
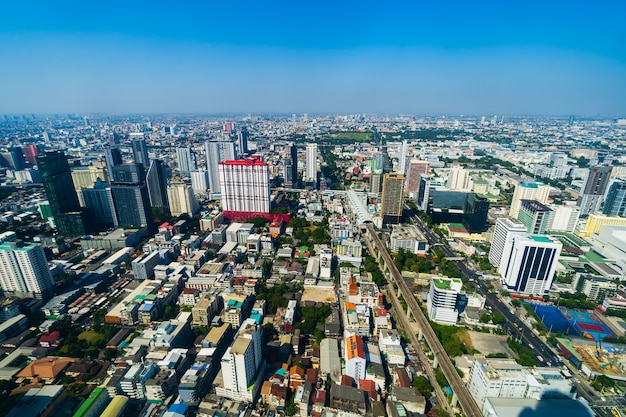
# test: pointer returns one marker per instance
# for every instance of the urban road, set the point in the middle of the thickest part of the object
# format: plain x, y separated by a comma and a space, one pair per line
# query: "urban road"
404, 322
456, 384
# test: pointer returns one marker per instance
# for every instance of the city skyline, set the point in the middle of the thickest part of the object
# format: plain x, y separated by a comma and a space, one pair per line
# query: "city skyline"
342, 58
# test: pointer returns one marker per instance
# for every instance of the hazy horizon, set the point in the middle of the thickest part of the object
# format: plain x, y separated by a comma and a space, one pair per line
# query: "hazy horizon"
242, 57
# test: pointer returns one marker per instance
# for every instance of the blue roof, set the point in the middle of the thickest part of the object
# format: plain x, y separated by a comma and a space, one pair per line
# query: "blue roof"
257, 317
179, 408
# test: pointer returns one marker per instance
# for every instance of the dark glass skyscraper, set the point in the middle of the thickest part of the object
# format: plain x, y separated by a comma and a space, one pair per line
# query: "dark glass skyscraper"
113, 157
140, 151
156, 181
69, 218
615, 203
242, 138
99, 200
130, 197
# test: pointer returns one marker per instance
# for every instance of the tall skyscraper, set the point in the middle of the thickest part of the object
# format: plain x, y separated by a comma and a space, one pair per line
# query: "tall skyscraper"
310, 169
113, 157
565, 217
615, 202
245, 186
99, 200
24, 271
242, 140
186, 161
217, 151
528, 191
530, 265
130, 197
402, 157
502, 241
290, 165
423, 192
242, 363
13, 157
140, 149
156, 180
69, 218
86, 177
376, 181
199, 181
416, 169
392, 198
182, 200
459, 179
593, 190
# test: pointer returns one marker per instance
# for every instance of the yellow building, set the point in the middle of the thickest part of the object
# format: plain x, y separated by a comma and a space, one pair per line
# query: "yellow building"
595, 222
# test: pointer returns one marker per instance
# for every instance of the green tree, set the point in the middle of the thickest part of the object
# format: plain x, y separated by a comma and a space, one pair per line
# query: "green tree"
441, 378
422, 384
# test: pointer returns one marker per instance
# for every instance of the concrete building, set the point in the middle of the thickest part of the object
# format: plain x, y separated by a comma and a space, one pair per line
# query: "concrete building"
24, 270
310, 168
143, 267
215, 152
564, 217
330, 362
504, 378
445, 301
410, 239
595, 223
530, 265
459, 179
392, 198
355, 357
528, 191
535, 216
506, 228
245, 186
593, 190
186, 161
182, 199
199, 181
402, 157
415, 171
242, 364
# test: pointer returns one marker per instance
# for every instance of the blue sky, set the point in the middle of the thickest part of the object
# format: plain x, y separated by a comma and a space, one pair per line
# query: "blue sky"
350, 57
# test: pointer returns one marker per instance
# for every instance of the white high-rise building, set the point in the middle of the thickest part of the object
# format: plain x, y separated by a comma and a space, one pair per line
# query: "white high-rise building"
459, 179
215, 152
565, 217
503, 234
199, 181
245, 185
310, 173
242, 363
530, 264
505, 378
24, 271
443, 300
182, 199
528, 191
186, 161
402, 157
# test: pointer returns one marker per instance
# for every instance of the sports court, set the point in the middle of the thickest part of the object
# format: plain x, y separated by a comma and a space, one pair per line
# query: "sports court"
571, 322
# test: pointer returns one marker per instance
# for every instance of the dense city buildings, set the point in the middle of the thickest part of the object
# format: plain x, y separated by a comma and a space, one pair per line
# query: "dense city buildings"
243, 291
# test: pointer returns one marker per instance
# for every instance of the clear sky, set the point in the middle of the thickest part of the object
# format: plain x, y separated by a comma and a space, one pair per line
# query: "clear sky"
216, 56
